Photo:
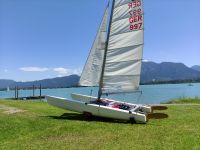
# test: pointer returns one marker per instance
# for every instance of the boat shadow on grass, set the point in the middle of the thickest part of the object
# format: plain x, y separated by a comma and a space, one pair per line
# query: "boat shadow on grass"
81, 117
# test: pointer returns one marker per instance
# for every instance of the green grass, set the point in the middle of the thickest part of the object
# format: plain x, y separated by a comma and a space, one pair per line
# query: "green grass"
42, 127
185, 101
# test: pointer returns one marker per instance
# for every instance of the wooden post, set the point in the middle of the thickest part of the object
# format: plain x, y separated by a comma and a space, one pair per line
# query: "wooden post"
40, 91
33, 90
17, 92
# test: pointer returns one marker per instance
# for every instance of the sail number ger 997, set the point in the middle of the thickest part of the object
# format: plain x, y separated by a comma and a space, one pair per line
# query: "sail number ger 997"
136, 17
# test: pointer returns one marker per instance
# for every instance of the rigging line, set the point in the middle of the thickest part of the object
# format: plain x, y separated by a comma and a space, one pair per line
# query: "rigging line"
91, 95
139, 98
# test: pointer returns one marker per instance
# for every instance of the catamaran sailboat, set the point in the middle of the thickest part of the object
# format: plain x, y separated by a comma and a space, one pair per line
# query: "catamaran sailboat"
114, 65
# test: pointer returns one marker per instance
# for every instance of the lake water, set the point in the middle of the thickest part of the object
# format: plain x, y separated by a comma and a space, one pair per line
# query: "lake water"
151, 94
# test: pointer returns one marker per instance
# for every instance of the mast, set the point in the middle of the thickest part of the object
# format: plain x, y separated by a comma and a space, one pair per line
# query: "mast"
105, 53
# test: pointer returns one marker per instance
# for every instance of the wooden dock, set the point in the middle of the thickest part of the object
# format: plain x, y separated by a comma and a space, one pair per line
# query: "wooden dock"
28, 98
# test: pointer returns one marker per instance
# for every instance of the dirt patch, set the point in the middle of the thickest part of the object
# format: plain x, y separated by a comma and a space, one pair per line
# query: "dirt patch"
10, 110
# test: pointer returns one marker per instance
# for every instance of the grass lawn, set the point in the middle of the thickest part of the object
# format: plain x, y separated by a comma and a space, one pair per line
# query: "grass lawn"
43, 127
185, 101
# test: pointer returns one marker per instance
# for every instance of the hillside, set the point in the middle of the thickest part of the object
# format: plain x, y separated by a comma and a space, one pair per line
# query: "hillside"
67, 81
4, 83
167, 71
196, 67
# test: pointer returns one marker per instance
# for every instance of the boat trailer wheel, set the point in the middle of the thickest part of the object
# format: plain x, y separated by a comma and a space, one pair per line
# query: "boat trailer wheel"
132, 120
87, 115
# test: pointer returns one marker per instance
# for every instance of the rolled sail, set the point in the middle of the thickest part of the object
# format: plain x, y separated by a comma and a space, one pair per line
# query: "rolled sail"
124, 54
93, 67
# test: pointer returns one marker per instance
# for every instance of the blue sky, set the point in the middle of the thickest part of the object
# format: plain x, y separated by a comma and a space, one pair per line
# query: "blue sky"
49, 38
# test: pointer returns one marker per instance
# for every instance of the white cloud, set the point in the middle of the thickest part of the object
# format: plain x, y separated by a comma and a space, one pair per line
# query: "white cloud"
61, 71
145, 60
5, 70
64, 71
33, 69
77, 71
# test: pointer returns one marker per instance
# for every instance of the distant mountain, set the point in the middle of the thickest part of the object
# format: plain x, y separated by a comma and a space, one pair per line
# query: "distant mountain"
196, 67
5, 83
67, 81
167, 71
151, 71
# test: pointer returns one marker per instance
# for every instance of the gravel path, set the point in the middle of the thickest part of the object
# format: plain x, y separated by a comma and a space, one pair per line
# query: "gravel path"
10, 110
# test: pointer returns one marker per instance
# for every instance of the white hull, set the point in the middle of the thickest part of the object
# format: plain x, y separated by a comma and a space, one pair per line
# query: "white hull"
96, 110
87, 99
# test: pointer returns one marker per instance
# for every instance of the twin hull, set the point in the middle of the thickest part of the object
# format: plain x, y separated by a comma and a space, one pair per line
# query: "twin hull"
96, 110
88, 99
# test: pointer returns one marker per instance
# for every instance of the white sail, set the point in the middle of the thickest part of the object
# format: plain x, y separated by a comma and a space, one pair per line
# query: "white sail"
124, 54
93, 67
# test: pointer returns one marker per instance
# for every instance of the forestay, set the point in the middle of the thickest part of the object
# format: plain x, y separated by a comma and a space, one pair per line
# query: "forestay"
93, 67
124, 54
